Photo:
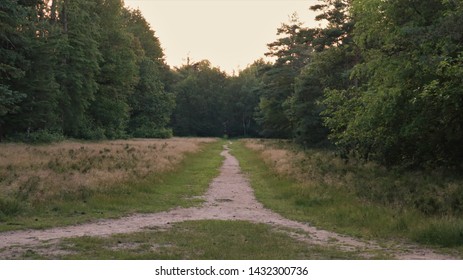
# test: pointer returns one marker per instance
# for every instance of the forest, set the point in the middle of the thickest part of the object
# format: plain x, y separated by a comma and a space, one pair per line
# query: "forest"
379, 80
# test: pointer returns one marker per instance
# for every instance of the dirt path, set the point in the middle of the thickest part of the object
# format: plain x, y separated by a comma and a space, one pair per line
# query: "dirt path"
229, 197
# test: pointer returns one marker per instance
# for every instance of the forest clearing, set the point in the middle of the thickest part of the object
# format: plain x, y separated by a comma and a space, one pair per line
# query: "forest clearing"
55, 219
342, 139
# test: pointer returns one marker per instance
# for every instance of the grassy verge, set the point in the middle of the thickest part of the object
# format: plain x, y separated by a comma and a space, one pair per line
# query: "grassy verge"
224, 240
150, 193
307, 188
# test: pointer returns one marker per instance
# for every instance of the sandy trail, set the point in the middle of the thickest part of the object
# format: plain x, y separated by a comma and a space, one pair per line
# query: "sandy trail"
230, 197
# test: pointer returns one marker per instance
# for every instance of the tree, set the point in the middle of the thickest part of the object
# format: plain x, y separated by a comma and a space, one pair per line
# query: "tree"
327, 66
401, 112
199, 92
292, 52
13, 63
40, 111
78, 63
150, 105
276, 88
241, 100
80, 68
340, 24
109, 111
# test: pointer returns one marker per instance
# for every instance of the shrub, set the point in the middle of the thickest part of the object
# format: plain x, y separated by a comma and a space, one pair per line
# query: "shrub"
150, 132
92, 134
42, 136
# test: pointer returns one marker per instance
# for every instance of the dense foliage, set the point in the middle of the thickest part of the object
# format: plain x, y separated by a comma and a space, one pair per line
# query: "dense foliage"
407, 105
80, 68
210, 103
381, 81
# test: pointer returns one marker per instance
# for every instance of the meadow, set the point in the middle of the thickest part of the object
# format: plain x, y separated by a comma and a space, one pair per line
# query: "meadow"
73, 181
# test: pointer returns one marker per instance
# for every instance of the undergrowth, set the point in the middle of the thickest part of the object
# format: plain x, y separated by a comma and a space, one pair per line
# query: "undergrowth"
360, 199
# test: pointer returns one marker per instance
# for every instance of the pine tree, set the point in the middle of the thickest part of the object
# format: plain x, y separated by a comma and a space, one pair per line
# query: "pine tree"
78, 63
109, 111
13, 63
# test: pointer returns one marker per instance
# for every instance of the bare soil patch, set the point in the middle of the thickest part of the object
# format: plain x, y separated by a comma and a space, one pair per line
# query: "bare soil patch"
230, 197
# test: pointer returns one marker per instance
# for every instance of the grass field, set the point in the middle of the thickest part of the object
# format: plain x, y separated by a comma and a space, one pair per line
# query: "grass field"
75, 182
72, 182
199, 240
354, 198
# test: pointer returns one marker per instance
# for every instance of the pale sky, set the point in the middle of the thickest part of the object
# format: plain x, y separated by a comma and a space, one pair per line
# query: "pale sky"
229, 33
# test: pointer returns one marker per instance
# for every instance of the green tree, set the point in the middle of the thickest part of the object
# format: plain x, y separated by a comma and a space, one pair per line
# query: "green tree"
13, 62
199, 91
40, 110
291, 51
109, 111
406, 108
78, 62
39, 106
84, 68
151, 106
241, 100
276, 89
339, 24
328, 67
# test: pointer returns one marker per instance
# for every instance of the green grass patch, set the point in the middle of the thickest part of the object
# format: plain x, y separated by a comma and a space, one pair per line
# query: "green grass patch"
153, 193
324, 199
205, 240
445, 232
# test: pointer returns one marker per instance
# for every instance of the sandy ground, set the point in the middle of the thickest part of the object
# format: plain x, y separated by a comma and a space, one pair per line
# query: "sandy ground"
230, 197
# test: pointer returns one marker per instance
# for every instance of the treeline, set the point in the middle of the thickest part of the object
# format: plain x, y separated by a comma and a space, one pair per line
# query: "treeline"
93, 69
211, 103
88, 69
382, 81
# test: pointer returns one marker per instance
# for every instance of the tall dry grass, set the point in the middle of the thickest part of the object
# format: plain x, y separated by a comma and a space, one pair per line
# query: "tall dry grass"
359, 198
432, 192
277, 155
37, 173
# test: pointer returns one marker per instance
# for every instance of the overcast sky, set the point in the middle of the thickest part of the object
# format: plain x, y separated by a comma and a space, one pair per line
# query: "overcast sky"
229, 33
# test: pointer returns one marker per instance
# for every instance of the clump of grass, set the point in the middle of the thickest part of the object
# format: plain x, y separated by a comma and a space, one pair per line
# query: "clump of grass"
445, 232
9, 207
360, 199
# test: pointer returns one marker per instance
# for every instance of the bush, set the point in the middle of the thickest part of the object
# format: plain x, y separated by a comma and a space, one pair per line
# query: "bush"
42, 136
92, 134
149, 132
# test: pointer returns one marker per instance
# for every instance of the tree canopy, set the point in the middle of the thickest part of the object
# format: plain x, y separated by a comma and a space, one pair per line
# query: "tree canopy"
80, 69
